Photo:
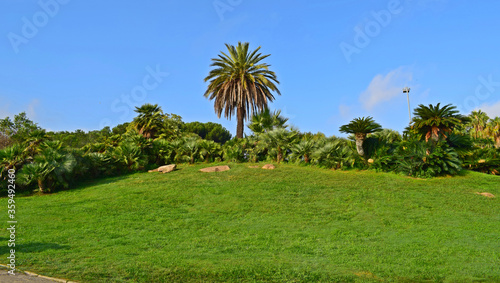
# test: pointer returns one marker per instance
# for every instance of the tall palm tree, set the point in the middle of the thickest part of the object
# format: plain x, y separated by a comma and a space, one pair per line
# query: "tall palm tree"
149, 121
479, 119
240, 83
434, 122
493, 130
360, 127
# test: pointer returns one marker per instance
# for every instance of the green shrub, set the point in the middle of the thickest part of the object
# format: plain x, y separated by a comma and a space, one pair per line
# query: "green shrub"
426, 159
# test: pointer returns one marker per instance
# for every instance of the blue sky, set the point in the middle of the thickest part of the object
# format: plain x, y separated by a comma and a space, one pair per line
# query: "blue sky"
73, 64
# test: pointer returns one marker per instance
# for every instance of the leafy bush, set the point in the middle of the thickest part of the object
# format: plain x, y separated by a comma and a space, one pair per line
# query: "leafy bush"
485, 160
51, 169
209, 131
336, 154
234, 150
425, 159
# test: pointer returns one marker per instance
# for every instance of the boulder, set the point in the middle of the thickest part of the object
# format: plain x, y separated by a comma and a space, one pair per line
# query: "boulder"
167, 168
269, 167
215, 169
488, 195
164, 169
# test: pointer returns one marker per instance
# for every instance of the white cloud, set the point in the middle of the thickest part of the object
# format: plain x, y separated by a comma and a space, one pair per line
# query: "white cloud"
493, 110
7, 111
4, 112
345, 111
385, 87
30, 111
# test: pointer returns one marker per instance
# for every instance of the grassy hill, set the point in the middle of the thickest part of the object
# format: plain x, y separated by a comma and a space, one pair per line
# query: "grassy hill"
297, 224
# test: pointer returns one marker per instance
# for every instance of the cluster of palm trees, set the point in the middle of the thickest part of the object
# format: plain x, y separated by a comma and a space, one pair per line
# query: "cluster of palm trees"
481, 126
241, 83
438, 141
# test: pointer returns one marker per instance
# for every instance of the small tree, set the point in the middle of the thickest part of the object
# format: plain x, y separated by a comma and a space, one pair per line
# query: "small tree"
435, 122
278, 142
360, 127
149, 121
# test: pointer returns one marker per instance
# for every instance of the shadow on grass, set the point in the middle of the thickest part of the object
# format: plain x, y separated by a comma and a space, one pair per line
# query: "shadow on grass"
29, 248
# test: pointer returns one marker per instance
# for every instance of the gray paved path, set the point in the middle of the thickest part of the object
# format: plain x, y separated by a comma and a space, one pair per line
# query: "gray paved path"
20, 277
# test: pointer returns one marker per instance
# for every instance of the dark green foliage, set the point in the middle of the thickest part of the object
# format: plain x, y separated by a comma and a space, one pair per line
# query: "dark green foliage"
79, 138
209, 131
120, 129
18, 129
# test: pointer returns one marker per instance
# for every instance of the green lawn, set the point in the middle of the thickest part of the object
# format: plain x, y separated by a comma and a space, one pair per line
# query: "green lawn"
292, 224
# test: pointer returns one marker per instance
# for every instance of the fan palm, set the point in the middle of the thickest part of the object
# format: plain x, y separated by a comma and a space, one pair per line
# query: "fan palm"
240, 83
335, 154
129, 155
149, 121
434, 122
278, 142
478, 122
360, 127
493, 130
266, 121
33, 141
10, 158
35, 172
51, 168
303, 150
210, 150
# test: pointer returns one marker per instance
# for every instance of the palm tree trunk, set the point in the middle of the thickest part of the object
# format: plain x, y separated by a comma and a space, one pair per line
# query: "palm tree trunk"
40, 185
279, 154
497, 141
360, 138
239, 127
306, 158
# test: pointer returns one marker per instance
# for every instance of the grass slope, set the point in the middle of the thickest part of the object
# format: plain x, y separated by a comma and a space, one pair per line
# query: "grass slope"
296, 224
